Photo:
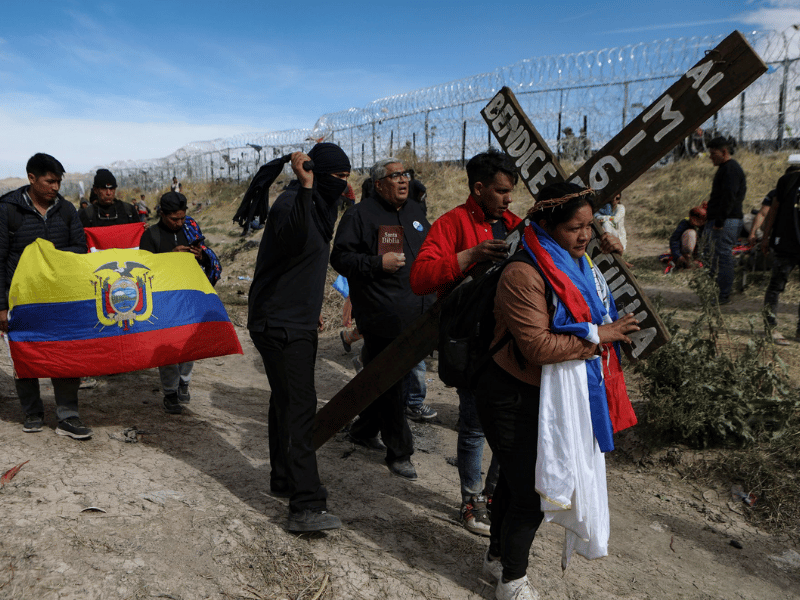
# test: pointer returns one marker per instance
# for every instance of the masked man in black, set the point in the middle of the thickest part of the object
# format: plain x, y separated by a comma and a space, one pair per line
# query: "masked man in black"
285, 304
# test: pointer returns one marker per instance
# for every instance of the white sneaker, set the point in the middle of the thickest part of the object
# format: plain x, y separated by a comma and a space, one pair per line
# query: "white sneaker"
492, 569
516, 589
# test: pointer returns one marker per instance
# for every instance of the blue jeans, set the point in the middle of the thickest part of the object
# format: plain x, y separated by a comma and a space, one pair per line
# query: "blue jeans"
721, 243
469, 448
414, 385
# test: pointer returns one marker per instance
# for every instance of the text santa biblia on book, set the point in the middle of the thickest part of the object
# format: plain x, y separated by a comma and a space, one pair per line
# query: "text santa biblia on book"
390, 239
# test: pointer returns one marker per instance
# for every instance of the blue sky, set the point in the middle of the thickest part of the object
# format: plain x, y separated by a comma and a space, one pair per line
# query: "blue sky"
95, 82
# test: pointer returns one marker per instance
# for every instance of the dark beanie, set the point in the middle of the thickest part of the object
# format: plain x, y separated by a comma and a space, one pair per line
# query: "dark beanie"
329, 158
104, 179
172, 201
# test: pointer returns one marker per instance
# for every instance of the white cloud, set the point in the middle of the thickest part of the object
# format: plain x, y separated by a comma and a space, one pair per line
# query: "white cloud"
773, 15
82, 144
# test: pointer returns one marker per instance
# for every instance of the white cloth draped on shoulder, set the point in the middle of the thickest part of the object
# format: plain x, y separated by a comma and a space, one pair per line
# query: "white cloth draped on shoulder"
570, 469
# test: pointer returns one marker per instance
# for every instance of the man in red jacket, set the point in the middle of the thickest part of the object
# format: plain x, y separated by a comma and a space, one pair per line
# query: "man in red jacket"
471, 233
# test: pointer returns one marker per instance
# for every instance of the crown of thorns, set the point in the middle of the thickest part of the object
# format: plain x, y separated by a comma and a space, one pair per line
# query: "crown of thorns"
553, 202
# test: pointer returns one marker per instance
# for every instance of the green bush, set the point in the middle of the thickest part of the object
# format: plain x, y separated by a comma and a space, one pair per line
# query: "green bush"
702, 392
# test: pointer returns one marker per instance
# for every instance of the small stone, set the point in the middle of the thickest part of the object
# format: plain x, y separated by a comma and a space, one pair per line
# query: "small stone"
737, 544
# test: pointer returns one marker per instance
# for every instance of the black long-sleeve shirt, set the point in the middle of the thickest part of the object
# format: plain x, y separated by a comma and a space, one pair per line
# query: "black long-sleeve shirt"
289, 279
727, 193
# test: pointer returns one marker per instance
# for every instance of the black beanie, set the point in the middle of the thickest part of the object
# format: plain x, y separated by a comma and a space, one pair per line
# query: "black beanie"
104, 179
172, 201
329, 158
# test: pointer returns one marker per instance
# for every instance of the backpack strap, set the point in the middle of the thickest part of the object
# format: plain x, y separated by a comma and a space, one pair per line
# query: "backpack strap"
91, 213
13, 219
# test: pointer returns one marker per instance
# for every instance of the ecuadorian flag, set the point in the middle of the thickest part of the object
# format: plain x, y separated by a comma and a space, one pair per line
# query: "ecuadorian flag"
76, 315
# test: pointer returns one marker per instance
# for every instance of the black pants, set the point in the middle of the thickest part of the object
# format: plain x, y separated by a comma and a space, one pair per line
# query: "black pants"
289, 356
782, 266
387, 414
509, 412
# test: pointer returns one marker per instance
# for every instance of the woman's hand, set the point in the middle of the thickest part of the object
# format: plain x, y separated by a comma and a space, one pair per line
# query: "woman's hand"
618, 330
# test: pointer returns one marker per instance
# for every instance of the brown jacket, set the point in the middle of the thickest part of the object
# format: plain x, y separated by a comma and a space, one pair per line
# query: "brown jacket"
521, 307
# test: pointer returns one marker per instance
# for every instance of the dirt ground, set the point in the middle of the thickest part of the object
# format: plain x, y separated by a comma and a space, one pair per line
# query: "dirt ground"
185, 512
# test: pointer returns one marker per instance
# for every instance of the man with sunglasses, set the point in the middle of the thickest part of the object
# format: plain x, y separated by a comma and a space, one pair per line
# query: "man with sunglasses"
108, 210
375, 244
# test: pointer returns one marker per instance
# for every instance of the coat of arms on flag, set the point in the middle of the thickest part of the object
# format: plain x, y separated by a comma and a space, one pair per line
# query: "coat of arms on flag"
122, 296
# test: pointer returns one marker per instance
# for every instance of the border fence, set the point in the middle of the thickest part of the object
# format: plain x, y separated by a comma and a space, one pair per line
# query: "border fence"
577, 102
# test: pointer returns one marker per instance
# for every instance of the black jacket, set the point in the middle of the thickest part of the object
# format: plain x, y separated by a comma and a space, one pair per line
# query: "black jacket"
383, 303
289, 278
21, 224
119, 213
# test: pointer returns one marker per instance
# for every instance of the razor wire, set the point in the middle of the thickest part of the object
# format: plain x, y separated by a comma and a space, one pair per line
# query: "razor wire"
578, 102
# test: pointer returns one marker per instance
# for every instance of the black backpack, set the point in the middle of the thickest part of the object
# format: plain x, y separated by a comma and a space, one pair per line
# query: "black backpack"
466, 326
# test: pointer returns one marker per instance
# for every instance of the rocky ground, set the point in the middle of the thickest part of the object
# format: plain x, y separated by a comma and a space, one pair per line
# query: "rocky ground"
181, 509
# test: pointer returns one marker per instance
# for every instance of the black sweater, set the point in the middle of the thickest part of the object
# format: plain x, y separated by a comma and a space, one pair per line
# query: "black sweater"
289, 279
727, 193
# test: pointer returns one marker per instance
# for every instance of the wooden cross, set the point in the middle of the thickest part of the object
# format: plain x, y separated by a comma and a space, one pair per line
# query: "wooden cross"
705, 88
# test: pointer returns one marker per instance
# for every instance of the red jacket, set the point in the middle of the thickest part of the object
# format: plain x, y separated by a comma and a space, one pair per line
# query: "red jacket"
436, 266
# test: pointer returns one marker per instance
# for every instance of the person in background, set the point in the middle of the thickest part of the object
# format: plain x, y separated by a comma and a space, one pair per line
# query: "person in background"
782, 234
683, 247
107, 210
142, 209
724, 215
612, 217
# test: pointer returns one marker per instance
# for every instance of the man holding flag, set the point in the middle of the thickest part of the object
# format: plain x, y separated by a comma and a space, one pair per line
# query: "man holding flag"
30, 212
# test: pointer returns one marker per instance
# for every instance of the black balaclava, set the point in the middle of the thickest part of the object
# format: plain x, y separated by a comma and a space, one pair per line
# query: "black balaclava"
328, 158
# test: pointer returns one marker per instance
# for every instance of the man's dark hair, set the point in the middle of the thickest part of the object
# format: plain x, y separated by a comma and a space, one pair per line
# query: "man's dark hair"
721, 142
172, 202
484, 166
41, 164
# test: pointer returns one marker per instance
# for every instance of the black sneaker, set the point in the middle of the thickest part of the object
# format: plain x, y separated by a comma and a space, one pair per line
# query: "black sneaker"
347, 347
420, 413
312, 520
183, 394
172, 405
404, 469
74, 428
33, 423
